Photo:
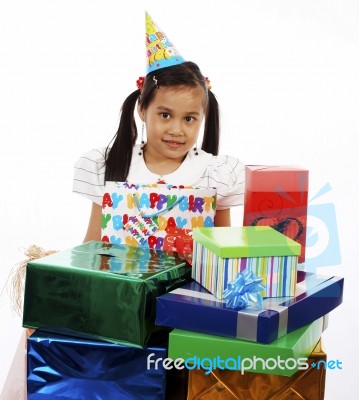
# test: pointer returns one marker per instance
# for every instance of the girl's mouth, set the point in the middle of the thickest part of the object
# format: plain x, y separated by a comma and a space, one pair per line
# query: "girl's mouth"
173, 144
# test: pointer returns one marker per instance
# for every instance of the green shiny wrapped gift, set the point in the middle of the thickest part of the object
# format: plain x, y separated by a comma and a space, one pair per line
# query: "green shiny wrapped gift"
101, 290
285, 356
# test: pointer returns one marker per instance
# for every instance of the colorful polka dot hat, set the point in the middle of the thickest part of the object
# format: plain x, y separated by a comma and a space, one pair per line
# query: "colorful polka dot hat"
160, 51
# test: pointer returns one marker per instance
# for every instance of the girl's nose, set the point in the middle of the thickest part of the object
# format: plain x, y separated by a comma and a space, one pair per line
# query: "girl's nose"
175, 127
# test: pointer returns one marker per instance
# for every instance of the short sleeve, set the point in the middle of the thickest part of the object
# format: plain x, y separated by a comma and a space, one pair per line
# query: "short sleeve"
89, 175
227, 175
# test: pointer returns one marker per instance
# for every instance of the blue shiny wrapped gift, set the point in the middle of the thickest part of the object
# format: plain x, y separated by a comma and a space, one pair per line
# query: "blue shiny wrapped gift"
61, 367
193, 308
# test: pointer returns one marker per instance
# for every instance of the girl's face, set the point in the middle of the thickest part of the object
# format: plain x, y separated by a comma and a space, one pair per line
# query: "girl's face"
173, 120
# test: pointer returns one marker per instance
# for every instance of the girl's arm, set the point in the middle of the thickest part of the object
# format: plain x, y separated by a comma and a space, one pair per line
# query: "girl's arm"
223, 218
94, 226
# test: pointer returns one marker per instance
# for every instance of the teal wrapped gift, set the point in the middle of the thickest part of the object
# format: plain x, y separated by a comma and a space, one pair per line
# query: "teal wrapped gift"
101, 290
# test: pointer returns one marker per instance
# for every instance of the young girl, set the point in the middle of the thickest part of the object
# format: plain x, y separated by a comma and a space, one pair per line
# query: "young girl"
172, 101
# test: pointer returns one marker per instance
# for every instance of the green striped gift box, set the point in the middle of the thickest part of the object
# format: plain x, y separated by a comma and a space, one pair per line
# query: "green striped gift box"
219, 253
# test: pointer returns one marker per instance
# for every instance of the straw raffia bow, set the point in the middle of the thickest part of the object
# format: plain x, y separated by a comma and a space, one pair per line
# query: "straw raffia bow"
16, 280
244, 291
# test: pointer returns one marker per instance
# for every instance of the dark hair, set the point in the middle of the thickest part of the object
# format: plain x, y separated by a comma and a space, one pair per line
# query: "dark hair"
118, 156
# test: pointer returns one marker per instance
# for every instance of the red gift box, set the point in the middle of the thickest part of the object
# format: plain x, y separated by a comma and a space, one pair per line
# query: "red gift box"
277, 196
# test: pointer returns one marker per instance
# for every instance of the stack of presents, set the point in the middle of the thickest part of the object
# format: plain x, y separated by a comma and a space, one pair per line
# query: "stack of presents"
239, 319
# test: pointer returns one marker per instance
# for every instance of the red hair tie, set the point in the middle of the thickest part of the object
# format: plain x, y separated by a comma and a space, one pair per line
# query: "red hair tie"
140, 81
208, 83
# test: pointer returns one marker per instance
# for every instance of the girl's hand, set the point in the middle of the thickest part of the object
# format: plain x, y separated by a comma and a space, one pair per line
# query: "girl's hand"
222, 218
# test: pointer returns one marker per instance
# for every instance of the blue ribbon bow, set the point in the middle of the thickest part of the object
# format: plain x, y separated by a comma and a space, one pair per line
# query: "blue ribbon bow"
244, 291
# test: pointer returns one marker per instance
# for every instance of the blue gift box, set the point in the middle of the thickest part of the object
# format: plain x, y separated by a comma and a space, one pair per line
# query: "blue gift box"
70, 368
193, 308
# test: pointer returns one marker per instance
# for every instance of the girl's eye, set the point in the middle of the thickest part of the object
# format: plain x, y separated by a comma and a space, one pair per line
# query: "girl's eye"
165, 115
189, 119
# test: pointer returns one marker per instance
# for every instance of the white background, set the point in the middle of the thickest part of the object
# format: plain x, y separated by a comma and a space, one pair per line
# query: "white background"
285, 74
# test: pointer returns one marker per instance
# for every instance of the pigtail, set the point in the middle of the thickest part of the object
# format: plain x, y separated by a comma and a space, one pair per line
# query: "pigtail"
211, 135
118, 156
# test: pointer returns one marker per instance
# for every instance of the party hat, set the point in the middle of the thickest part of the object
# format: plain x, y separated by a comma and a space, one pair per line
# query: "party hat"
160, 51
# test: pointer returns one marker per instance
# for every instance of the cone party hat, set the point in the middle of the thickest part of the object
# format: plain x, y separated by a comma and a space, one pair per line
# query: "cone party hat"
160, 51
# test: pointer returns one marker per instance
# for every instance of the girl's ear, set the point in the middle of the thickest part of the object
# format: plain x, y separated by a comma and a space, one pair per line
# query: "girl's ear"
141, 112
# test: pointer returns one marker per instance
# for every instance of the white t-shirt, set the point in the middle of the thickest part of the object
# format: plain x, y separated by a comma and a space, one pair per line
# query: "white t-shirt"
224, 173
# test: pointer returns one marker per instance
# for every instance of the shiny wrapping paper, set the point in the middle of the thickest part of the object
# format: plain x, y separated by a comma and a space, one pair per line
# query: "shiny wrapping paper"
219, 253
64, 367
191, 307
232, 385
100, 290
278, 196
176, 384
193, 347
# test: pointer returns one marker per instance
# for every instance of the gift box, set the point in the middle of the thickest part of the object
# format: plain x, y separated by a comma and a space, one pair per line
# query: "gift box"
155, 215
308, 384
220, 253
176, 384
100, 289
284, 356
277, 196
65, 367
193, 308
